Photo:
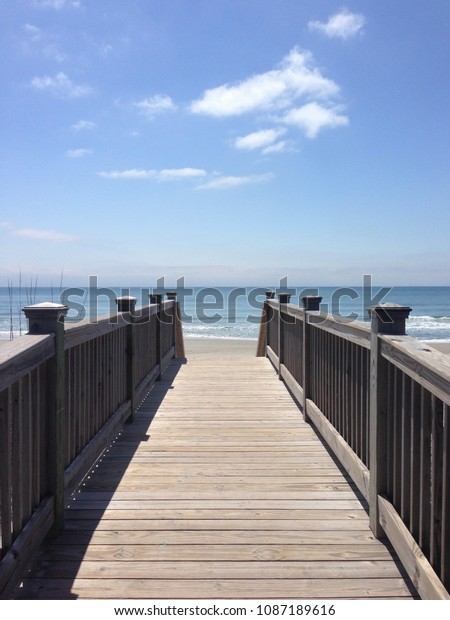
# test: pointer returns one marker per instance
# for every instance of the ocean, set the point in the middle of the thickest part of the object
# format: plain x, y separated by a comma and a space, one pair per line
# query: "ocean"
234, 312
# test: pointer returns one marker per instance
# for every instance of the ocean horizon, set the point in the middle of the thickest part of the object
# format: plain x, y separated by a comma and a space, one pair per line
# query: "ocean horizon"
234, 312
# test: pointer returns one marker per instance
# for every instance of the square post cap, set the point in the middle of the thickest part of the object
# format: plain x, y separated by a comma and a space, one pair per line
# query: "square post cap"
126, 304
155, 298
171, 295
389, 318
284, 298
44, 317
311, 302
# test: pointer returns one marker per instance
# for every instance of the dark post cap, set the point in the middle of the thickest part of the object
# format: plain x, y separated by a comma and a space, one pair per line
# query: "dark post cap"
126, 304
311, 302
155, 298
284, 298
389, 318
171, 295
270, 295
43, 317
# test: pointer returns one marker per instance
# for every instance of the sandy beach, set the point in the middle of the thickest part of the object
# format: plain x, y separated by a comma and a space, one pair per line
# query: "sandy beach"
220, 346
230, 345
443, 347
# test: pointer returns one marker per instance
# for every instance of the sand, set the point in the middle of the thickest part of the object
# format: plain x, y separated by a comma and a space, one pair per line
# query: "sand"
220, 346
443, 347
230, 345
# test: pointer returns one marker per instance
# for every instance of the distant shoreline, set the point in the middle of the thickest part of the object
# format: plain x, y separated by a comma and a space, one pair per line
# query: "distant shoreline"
443, 347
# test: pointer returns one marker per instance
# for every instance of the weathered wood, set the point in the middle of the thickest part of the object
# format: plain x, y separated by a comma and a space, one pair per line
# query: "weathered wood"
352, 331
5, 469
57, 427
348, 459
229, 589
179, 337
273, 357
228, 570
19, 357
425, 579
377, 433
93, 450
208, 477
426, 365
236, 553
25, 545
262, 336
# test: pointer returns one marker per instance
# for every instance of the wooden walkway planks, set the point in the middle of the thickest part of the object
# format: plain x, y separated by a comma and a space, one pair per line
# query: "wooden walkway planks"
217, 490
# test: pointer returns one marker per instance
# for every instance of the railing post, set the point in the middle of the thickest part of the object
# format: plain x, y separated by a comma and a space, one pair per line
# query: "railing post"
177, 327
48, 318
172, 296
311, 303
156, 298
264, 327
385, 319
128, 304
283, 299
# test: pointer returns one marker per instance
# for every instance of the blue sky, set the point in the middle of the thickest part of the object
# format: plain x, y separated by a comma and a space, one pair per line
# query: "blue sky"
230, 142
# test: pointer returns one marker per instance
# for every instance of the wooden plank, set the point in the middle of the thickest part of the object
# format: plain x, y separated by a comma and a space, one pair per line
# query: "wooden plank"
429, 367
353, 465
212, 514
227, 588
22, 355
78, 502
216, 493
352, 331
223, 523
227, 553
25, 545
5, 469
87, 457
424, 578
362, 569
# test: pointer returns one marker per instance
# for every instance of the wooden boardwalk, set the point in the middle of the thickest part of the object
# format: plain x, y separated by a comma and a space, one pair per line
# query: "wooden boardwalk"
217, 490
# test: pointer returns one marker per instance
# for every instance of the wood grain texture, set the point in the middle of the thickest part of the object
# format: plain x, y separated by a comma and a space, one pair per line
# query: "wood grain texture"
219, 489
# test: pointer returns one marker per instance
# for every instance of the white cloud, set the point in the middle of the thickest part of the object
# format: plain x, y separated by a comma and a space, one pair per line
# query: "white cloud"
128, 174
33, 32
226, 182
312, 117
105, 50
51, 51
180, 173
343, 25
78, 153
278, 147
258, 139
174, 174
61, 86
81, 125
155, 105
57, 4
37, 40
42, 235
297, 77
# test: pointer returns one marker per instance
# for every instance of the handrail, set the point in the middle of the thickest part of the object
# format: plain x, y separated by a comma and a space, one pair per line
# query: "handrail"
381, 400
65, 391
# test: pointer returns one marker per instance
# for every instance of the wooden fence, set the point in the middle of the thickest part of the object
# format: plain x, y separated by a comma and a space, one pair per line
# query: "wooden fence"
381, 401
64, 395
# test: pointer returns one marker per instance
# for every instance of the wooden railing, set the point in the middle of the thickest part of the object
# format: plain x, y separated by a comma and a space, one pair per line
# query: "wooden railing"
381, 401
64, 396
